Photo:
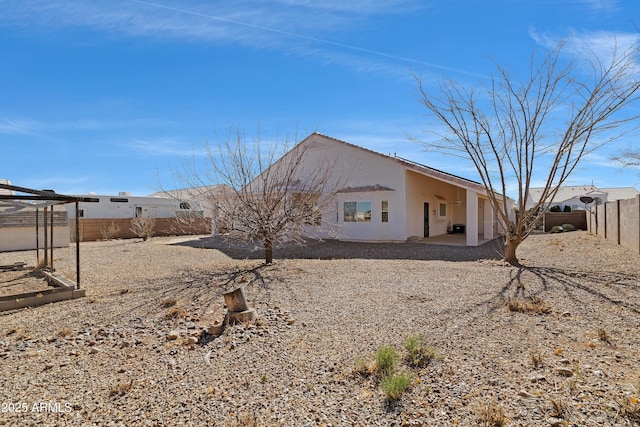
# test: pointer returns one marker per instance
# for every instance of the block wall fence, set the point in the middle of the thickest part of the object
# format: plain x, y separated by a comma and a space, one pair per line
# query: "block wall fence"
93, 229
617, 221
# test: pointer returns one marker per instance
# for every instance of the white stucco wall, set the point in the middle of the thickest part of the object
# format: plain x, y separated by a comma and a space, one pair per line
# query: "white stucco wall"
358, 168
374, 230
405, 190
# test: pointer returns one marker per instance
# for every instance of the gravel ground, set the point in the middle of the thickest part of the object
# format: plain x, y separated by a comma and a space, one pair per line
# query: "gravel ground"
133, 351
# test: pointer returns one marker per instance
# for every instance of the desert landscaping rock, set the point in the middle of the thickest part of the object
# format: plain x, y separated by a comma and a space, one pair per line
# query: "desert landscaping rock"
108, 357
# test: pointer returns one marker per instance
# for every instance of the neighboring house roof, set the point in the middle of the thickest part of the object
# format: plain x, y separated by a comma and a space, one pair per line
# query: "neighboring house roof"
193, 192
575, 191
5, 191
620, 193
414, 166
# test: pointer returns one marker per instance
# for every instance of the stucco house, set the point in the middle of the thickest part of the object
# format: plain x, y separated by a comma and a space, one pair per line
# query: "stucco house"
385, 198
570, 196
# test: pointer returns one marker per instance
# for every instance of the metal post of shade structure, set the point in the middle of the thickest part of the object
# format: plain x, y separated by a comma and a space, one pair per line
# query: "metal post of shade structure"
77, 246
46, 246
37, 238
51, 245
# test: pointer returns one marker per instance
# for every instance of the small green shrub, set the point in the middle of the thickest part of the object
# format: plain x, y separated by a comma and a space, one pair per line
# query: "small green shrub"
395, 384
562, 228
418, 352
556, 229
385, 360
567, 208
555, 209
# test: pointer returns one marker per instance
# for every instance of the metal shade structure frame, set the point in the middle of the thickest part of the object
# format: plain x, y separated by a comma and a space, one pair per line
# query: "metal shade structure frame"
22, 198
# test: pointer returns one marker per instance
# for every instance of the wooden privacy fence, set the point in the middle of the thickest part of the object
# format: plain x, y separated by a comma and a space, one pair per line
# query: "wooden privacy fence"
617, 221
92, 229
576, 218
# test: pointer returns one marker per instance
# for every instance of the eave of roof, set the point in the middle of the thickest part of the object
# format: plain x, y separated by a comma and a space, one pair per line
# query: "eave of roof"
414, 166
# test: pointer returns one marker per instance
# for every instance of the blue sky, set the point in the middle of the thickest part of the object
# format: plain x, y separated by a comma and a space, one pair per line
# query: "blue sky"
107, 96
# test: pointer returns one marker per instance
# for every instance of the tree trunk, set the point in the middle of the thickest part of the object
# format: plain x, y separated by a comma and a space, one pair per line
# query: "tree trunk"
510, 246
268, 252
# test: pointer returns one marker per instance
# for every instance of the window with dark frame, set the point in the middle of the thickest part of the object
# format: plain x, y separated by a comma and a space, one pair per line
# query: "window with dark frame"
443, 210
357, 212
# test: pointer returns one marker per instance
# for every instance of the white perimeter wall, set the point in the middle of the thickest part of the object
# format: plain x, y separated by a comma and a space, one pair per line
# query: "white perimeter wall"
24, 238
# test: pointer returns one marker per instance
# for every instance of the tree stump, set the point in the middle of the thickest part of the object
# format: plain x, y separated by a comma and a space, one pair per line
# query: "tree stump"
238, 310
235, 300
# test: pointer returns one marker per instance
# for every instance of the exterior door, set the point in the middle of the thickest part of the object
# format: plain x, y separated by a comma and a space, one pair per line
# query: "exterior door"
426, 220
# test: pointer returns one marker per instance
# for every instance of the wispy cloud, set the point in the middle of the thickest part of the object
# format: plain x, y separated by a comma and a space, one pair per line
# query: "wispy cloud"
48, 129
228, 22
166, 147
600, 5
586, 43
302, 27
16, 127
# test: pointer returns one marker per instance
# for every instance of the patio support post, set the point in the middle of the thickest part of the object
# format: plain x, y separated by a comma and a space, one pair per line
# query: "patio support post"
472, 218
488, 220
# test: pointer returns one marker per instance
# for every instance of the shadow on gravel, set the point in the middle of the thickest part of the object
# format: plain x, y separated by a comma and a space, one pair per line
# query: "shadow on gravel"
614, 288
205, 288
617, 288
335, 249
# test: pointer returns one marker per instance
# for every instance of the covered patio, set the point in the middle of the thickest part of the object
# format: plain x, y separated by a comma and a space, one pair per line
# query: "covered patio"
451, 240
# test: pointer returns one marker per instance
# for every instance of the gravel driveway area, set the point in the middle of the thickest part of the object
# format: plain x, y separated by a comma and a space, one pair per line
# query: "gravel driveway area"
552, 343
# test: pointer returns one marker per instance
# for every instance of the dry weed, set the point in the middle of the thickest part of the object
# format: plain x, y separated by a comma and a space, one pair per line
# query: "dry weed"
536, 360
64, 332
603, 335
110, 232
363, 368
121, 389
492, 414
560, 408
534, 305
630, 409
176, 313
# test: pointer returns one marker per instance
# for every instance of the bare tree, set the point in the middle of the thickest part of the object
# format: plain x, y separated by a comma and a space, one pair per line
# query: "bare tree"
143, 226
538, 128
628, 158
266, 199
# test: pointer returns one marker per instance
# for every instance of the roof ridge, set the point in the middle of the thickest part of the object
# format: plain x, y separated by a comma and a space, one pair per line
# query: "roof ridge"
396, 158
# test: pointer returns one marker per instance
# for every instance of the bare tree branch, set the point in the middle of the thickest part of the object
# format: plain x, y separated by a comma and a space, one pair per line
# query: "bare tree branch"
513, 131
267, 199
